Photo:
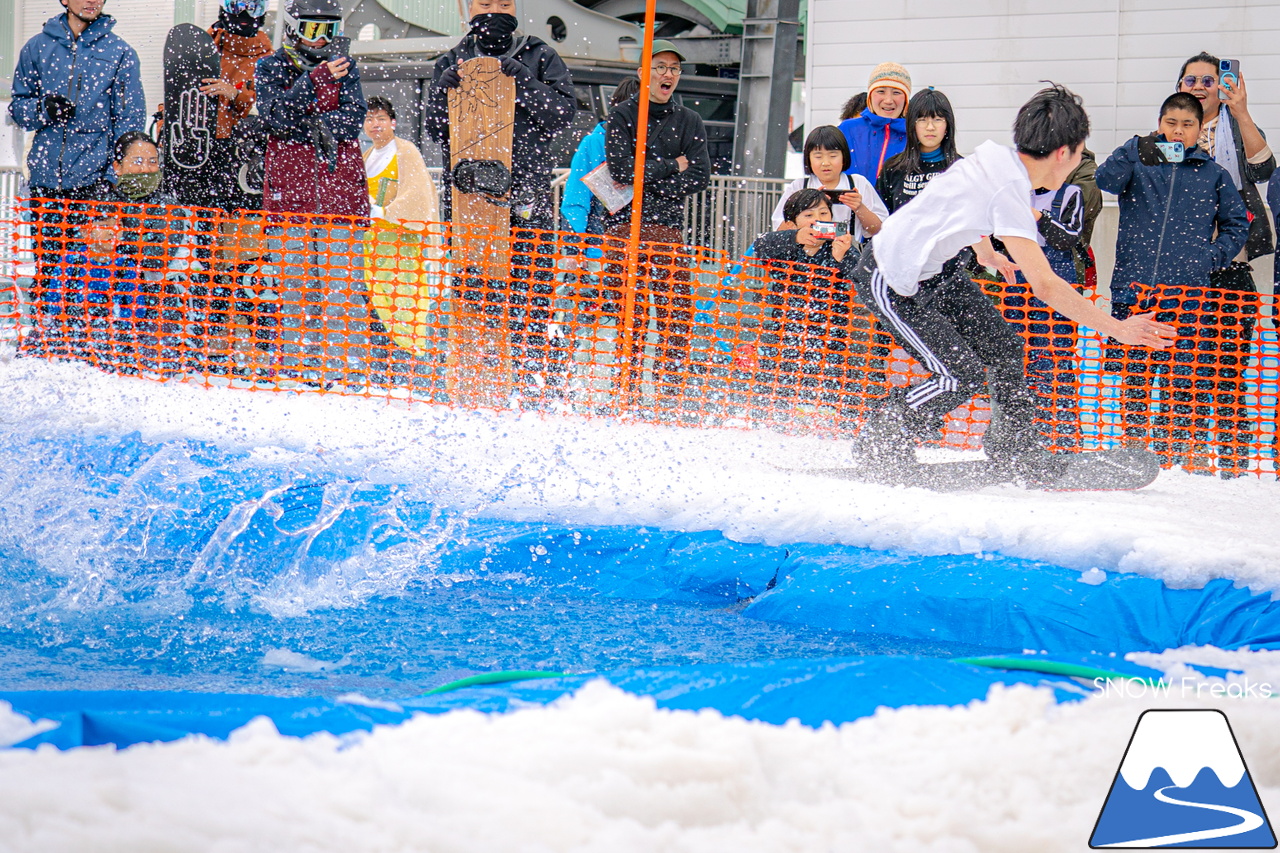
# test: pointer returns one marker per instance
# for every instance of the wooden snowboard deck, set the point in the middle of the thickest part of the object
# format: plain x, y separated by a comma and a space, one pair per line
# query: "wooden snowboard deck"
481, 125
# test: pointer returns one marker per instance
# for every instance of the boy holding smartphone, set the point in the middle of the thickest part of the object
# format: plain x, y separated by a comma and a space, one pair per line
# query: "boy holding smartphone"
805, 337
1181, 218
910, 279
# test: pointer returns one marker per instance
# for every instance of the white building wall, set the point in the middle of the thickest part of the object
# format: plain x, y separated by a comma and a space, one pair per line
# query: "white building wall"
988, 56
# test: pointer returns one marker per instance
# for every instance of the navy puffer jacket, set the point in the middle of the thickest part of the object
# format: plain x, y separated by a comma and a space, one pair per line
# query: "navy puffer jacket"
1168, 214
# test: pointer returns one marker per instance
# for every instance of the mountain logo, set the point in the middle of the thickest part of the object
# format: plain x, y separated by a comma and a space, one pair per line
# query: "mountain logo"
1183, 783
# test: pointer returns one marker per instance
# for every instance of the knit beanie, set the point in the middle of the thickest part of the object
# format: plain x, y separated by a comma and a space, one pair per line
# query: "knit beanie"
890, 74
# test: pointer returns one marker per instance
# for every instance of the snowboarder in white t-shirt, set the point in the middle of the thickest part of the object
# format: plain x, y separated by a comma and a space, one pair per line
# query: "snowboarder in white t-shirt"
911, 279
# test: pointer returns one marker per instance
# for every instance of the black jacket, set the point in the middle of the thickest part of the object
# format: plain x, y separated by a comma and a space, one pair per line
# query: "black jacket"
545, 106
674, 131
895, 187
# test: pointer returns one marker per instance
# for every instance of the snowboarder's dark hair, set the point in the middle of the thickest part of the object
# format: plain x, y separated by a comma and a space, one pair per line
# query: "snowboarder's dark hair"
802, 200
125, 142
377, 102
827, 137
1202, 56
1054, 117
854, 106
1183, 101
927, 103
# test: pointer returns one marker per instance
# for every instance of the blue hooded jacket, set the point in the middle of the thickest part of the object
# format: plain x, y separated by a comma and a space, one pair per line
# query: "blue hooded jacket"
873, 140
578, 207
98, 72
1168, 214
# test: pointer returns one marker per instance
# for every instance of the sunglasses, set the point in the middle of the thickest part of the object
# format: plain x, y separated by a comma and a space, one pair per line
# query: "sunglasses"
1208, 81
314, 30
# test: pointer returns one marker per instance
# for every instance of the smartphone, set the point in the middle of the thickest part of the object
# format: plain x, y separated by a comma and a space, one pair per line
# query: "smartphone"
1228, 75
1173, 152
833, 196
825, 230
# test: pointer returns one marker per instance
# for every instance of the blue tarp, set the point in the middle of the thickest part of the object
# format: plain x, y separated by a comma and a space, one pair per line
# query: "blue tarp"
814, 692
1010, 603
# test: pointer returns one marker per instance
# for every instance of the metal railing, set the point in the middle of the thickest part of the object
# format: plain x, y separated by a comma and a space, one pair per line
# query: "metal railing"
725, 217
729, 214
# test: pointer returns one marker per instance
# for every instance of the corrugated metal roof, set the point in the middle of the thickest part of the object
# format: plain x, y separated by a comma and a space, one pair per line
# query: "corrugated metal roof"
439, 16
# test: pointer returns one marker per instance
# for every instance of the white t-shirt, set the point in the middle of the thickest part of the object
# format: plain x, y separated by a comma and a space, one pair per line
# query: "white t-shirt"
986, 194
379, 158
839, 212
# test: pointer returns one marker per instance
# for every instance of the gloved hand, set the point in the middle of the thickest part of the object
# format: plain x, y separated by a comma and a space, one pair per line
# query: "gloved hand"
59, 109
450, 79
513, 67
1148, 153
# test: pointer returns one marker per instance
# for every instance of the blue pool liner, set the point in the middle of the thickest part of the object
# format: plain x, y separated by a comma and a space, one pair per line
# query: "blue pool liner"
814, 692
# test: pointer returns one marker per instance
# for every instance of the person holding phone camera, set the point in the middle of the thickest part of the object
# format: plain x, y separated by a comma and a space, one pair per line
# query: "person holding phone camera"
1232, 139
1181, 219
309, 97
854, 201
805, 342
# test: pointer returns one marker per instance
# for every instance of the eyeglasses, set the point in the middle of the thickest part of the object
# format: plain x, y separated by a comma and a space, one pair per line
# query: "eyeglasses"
1208, 81
324, 28
143, 161
936, 121
673, 70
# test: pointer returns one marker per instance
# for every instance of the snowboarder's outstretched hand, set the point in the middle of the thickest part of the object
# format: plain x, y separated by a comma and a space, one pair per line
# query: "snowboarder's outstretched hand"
1144, 330
450, 78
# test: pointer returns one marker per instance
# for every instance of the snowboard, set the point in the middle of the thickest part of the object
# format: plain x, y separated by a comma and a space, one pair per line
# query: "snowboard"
1116, 470
190, 118
481, 124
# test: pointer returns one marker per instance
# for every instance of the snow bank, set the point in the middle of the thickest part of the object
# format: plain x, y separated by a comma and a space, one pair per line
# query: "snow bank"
1184, 529
606, 771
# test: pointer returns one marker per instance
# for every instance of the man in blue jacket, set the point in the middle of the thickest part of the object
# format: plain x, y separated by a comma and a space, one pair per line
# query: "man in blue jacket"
78, 87
880, 132
1180, 219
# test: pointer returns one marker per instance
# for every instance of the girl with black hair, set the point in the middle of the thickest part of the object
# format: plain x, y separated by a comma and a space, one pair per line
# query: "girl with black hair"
931, 149
852, 198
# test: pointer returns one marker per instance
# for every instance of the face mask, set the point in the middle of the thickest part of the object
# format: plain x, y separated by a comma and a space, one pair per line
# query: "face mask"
493, 31
137, 185
240, 24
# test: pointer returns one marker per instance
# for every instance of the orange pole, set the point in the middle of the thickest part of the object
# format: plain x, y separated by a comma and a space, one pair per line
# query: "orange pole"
629, 375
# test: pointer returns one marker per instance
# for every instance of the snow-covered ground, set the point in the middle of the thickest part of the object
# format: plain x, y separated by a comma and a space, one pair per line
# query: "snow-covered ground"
603, 770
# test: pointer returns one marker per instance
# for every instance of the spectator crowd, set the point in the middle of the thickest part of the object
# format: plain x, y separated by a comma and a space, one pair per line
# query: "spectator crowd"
1192, 206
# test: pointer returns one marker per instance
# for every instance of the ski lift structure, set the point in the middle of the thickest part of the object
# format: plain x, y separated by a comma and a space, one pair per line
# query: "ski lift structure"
744, 57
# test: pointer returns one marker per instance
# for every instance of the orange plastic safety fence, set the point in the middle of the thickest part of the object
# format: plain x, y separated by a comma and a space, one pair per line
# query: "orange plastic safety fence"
535, 319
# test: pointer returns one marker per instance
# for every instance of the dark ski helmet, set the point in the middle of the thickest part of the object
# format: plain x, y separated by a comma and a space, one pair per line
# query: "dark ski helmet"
312, 20
252, 8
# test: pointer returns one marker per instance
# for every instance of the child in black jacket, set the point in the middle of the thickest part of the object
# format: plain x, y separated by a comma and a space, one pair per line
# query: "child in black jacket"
810, 323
